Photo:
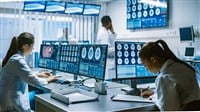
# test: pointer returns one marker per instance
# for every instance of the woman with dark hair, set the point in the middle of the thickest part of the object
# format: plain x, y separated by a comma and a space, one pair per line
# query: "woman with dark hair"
15, 75
176, 84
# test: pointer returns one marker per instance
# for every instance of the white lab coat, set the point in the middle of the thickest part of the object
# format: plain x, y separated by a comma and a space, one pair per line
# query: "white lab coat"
13, 84
176, 85
106, 37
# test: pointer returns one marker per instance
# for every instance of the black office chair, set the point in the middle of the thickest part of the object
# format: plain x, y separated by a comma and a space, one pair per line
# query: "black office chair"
192, 106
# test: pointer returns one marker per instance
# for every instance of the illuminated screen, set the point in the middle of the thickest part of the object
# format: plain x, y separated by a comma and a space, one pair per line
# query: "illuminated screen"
146, 13
49, 56
186, 34
93, 61
69, 58
55, 7
189, 52
128, 63
74, 8
91, 9
34, 6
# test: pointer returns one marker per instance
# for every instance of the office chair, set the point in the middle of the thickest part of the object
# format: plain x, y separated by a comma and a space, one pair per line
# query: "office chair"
192, 106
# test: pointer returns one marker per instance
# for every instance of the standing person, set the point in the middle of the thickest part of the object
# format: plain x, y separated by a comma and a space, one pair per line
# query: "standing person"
15, 75
176, 84
106, 35
64, 37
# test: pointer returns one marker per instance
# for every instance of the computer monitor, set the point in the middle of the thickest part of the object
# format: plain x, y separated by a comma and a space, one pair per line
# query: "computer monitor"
129, 66
69, 59
91, 9
93, 61
128, 63
74, 8
49, 56
38, 6
186, 34
55, 7
190, 52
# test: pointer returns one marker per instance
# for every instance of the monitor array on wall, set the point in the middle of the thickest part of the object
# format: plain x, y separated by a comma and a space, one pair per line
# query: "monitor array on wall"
147, 13
62, 7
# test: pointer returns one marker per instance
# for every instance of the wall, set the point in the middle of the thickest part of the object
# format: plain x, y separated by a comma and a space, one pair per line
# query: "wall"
181, 13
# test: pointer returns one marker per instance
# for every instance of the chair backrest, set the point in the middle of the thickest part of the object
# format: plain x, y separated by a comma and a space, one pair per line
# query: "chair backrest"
192, 106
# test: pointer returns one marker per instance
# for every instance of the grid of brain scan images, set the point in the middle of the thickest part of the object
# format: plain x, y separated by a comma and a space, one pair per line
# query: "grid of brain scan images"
49, 56
128, 63
93, 61
69, 58
146, 13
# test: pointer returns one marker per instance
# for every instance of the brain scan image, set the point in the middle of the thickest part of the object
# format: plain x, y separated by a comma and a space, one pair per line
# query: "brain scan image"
119, 61
84, 53
119, 54
119, 47
126, 54
90, 53
98, 53
126, 61
132, 47
139, 47
125, 46
133, 60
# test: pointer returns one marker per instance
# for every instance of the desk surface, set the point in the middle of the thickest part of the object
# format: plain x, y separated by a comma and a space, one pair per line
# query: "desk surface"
104, 104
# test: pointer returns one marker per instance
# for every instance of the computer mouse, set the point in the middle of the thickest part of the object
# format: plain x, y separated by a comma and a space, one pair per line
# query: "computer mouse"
65, 82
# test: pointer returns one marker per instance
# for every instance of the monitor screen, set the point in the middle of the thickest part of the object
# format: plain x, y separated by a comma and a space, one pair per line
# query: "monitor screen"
34, 6
49, 42
69, 58
49, 56
186, 34
74, 8
93, 61
53, 6
147, 13
128, 64
91, 9
189, 52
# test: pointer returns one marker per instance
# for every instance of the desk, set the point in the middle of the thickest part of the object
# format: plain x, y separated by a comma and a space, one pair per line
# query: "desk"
45, 103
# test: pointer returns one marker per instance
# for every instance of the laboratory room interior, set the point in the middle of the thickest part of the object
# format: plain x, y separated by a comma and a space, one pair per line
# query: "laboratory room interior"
99, 55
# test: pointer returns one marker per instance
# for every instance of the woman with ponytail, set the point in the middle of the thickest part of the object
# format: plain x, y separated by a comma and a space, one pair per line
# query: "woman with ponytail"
16, 74
176, 84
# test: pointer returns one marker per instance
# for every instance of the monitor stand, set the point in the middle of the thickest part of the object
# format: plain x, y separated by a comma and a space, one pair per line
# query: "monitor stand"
134, 90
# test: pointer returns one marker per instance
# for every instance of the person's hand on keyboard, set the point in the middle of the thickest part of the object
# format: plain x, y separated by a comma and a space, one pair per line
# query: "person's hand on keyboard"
44, 75
52, 78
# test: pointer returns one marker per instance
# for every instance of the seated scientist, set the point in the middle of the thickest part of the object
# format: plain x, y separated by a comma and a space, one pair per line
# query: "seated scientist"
15, 75
176, 84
